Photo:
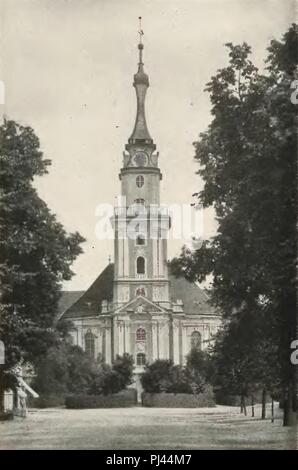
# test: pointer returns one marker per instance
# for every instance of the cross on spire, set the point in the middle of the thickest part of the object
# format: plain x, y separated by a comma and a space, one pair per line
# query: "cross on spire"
140, 32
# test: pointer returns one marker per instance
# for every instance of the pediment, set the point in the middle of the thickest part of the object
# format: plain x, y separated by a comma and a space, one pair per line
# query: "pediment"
140, 305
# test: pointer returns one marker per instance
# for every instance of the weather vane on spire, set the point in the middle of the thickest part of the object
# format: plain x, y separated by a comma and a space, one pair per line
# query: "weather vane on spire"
141, 32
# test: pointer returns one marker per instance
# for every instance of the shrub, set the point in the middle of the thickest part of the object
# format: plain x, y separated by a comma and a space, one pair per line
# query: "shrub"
157, 376
164, 376
68, 370
123, 367
113, 379
197, 370
200, 361
107, 381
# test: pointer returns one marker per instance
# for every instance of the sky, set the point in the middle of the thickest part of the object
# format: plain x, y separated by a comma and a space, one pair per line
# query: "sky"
68, 67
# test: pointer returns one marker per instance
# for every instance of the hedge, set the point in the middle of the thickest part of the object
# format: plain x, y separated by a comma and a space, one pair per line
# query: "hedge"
122, 399
178, 400
6, 415
46, 401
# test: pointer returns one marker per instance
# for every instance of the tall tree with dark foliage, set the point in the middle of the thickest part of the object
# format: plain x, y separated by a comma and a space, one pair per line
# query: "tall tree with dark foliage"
248, 163
35, 251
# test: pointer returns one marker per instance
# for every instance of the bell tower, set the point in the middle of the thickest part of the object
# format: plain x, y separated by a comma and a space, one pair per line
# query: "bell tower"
140, 223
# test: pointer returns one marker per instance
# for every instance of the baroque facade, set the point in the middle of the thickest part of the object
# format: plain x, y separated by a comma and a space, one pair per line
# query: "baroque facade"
135, 305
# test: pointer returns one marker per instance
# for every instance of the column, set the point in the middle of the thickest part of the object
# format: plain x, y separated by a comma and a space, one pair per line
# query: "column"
98, 341
154, 255
160, 341
176, 349
108, 345
125, 257
126, 337
82, 338
184, 345
120, 329
160, 258
120, 255
78, 336
154, 341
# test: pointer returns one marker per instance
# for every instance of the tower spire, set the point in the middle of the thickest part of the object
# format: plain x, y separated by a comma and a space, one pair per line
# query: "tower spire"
141, 32
140, 45
141, 83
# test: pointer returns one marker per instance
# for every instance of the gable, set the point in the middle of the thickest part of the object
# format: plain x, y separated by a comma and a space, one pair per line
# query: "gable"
140, 305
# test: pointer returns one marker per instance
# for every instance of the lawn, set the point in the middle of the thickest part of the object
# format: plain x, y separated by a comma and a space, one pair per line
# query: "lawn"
145, 428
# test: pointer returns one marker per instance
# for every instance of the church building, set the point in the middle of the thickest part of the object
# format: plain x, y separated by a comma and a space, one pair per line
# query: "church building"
135, 305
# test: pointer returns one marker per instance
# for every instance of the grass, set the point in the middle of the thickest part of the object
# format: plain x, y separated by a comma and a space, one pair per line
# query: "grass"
145, 428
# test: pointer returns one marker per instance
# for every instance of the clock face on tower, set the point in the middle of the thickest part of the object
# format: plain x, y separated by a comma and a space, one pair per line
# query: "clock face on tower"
141, 159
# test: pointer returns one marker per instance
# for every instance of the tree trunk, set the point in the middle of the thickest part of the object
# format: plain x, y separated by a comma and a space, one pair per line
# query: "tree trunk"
241, 404
244, 407
272, 410
252, 406
290, 417
1, 390
264, 397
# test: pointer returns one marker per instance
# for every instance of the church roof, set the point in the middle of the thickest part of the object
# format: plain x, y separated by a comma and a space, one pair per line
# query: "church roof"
89, 303
68, 298
195, 300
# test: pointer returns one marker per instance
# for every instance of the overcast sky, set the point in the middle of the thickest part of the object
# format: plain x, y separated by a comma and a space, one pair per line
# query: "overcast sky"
68, 67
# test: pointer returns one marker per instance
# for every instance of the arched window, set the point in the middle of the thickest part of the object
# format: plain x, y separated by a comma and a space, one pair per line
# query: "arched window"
140, 181
196, 340
90, 344
141, 334
140, 265
141, 359
141, 291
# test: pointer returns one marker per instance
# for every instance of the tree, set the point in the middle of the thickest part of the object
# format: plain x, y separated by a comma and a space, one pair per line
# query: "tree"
157, 376
66, 369
116, 378
198, 360
247, 160
163, 376
123, 366
198, 370
35, 251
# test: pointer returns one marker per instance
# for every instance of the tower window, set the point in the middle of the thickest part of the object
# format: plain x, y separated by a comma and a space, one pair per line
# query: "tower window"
90, 344
196, 340
140, 265
140, 181
141, 334
140, 240
140, 201
141, 359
